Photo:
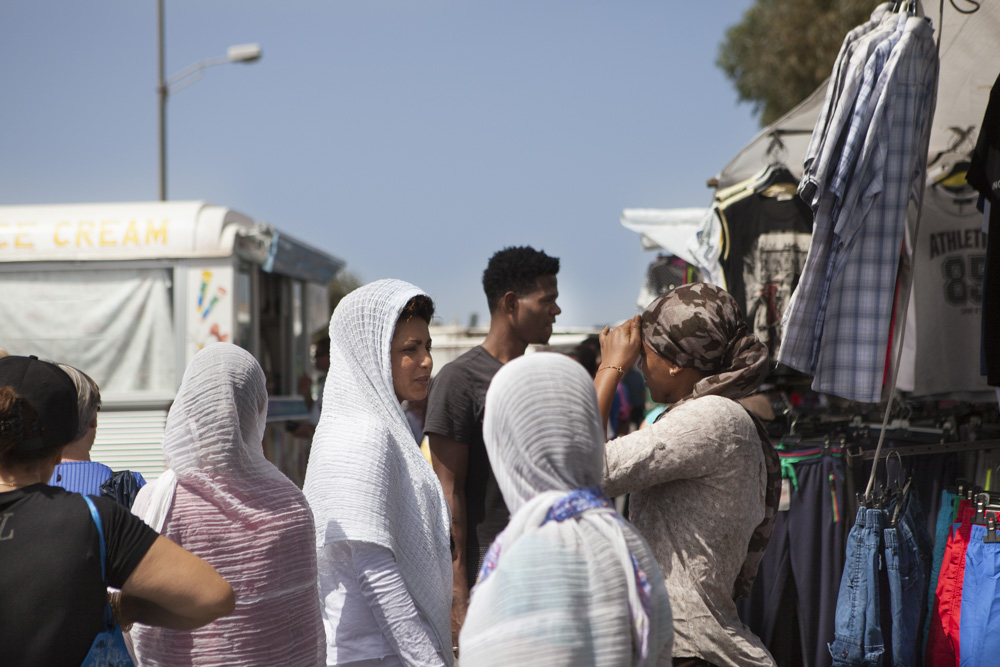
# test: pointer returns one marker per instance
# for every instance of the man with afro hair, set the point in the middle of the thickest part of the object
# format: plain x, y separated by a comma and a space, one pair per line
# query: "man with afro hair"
521, 291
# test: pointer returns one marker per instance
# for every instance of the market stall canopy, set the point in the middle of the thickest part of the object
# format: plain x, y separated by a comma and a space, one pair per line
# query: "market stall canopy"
970, 61
667, 229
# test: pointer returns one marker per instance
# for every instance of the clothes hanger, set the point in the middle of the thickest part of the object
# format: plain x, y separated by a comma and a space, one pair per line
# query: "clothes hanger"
982, 502
959, 487
901, 500
912, 8
991, 536
985, 503
775, 173
899, 460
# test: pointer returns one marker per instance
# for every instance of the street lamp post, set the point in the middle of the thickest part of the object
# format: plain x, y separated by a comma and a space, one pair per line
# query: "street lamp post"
242, 53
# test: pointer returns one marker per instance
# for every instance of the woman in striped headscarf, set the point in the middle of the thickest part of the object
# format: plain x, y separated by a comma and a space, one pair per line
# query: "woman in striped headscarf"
222, 500
569, 581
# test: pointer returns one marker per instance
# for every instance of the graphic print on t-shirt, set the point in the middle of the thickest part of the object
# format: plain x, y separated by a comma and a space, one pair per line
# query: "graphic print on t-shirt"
771, 270
948, 266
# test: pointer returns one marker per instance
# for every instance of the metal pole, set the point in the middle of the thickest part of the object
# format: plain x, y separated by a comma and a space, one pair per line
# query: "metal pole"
161, 93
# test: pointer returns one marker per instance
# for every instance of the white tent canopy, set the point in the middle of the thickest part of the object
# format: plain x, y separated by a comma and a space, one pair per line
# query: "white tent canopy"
970, 61
667, 229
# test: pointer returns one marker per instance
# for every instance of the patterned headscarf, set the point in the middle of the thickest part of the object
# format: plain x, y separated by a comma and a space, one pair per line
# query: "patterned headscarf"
700, 326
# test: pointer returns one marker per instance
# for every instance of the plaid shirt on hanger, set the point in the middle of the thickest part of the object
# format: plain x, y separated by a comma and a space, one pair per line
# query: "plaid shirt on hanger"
837, 325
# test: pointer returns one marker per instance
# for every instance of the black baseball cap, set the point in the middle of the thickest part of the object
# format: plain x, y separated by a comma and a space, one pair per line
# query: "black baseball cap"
50, 392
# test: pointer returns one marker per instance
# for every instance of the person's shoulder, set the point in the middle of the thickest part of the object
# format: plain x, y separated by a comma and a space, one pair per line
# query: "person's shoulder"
102, 470
109, 505
40, 493
715, 410
55, 500
97, 465
475, 359
476, 363
117, 519
712, 402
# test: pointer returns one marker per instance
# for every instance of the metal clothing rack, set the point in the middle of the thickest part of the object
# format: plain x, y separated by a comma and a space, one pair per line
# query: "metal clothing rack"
856, 454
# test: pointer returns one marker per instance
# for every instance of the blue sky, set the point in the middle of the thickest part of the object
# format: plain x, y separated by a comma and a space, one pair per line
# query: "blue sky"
412, 139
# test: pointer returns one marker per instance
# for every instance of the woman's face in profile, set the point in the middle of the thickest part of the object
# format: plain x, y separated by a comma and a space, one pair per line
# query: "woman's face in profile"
411, 359
663, 387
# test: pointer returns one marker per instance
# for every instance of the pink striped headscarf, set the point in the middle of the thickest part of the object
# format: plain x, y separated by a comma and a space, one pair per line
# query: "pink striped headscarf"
222, 500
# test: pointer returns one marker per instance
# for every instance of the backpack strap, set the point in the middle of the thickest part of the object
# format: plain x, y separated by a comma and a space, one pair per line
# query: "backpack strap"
100, 531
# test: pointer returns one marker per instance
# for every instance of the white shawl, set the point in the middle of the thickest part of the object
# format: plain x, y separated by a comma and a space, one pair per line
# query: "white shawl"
222, 500
367, 481
562, 593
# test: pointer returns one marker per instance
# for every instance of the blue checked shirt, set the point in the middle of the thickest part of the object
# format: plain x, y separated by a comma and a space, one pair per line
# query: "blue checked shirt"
837, 324
842, 85
875, 76
802, 322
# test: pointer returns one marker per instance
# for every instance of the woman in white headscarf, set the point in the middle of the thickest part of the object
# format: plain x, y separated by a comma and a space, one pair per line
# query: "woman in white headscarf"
568, 582
382, 522
222, 500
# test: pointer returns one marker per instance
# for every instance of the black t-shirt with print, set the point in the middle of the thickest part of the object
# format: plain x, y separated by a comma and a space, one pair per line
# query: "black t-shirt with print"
455, 409
768, 239
52, 600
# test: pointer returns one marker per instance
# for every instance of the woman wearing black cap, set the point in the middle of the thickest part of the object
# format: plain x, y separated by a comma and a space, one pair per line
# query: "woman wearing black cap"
54, 593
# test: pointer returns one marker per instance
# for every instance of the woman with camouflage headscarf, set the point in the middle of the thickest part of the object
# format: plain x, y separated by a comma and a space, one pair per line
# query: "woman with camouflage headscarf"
704, 479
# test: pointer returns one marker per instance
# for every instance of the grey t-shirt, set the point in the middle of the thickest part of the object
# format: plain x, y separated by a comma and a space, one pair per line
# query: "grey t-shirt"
455, 408
946, 301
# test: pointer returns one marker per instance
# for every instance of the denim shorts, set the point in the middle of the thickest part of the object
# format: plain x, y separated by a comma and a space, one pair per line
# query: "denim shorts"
858, 636
907, 591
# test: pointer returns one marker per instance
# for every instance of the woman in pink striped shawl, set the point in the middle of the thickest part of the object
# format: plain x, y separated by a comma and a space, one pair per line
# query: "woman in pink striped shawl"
222, 500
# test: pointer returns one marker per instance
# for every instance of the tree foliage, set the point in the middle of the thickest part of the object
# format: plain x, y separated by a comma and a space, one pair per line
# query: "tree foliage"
342, 284
782, 50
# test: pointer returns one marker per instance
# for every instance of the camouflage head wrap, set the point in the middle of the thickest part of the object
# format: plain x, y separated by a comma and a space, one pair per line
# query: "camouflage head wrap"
700, 326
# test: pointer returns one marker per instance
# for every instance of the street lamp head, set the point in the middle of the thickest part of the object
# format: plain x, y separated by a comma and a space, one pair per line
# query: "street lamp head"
244, 53
240, 53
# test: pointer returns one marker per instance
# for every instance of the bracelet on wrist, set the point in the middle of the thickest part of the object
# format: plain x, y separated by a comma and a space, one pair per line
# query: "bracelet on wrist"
115, 602
621, 372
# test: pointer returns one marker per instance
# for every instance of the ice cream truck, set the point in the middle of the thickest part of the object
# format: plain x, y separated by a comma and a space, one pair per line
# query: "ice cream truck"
129, 292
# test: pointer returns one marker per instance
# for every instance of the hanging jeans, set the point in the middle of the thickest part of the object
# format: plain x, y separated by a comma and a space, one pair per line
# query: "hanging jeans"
980, 622
907, 555
858, 636
913, 515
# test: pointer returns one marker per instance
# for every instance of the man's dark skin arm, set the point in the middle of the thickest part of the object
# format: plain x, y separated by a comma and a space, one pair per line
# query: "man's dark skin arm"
451, 462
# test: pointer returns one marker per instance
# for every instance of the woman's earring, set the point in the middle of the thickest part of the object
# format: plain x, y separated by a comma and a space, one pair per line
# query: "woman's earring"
674, 371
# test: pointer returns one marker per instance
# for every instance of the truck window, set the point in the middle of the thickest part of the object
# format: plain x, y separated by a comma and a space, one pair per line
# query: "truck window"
283, 350
245, 320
